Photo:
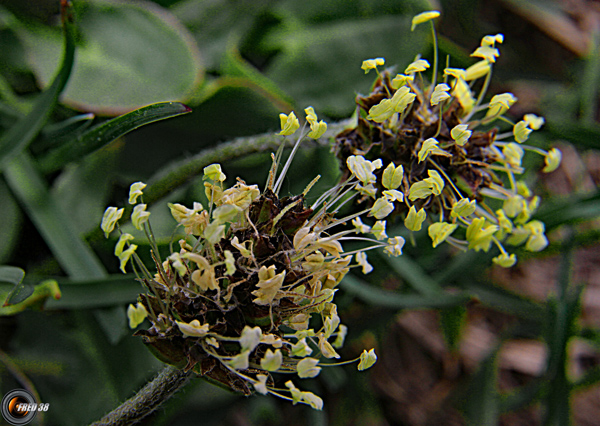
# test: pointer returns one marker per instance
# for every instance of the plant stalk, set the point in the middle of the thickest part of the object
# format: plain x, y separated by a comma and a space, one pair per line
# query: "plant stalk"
148, 399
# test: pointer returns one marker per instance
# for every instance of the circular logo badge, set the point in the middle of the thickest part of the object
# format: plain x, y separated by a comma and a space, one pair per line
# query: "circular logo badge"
18, 407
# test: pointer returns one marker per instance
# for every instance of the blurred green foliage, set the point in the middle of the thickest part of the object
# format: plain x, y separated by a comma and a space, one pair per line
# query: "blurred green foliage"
236, 64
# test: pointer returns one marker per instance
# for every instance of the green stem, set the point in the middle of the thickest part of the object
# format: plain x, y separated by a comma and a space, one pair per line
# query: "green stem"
178, 173
148, 399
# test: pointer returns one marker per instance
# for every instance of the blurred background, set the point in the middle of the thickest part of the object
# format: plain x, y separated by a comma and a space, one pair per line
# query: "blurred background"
523, 348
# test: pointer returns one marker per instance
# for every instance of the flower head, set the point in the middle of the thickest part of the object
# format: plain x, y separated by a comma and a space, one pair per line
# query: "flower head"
440, 157
252, 267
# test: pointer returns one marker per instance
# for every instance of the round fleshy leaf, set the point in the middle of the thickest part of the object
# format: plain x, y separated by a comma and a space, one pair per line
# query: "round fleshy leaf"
130, 55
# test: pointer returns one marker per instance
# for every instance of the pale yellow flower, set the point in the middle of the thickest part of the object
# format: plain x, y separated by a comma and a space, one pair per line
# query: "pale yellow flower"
261, 384
214, 173
417, 66
371, 64
499, 104
480, 236
392, 176
136, 314
110, 218
552, 160
477, 70
367, 359
461, 134
381, 208
289, 124
521, 131
440, 94
424, 17
361, 260
505, 260
307, 368
401, 80
135, 190
250, 338
193, 328
125, 256
488, 53
301, 349
394, 247
139, 216
463, 208
414, 220
272, 360
317, 128
439, 231
268, 285
533, 121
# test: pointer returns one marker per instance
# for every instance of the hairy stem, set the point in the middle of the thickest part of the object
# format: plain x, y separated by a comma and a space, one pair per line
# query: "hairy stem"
148, 399
178, 173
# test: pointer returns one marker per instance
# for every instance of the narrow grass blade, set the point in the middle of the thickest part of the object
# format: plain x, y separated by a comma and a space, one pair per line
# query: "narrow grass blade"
111, 291
23, 132
387, 299
104, 133
412, 272
74, 256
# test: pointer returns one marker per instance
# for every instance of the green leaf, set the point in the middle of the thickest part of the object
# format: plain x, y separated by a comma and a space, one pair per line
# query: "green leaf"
389, 299
74, 256
482, 405
212, 24
452, 320
83, 188
34, 300
56, 134
412, 272
562, 314
104, 133
112, 291
10, 225
572, 209
235, 66
18, 294
581, 135
318, 63
20, 291
11, 274
523, 396
506, 301
113, 321
23, 132
132, 54
589, 82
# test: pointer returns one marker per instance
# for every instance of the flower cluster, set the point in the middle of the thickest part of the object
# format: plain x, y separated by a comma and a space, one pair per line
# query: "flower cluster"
440, 159
251, 289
